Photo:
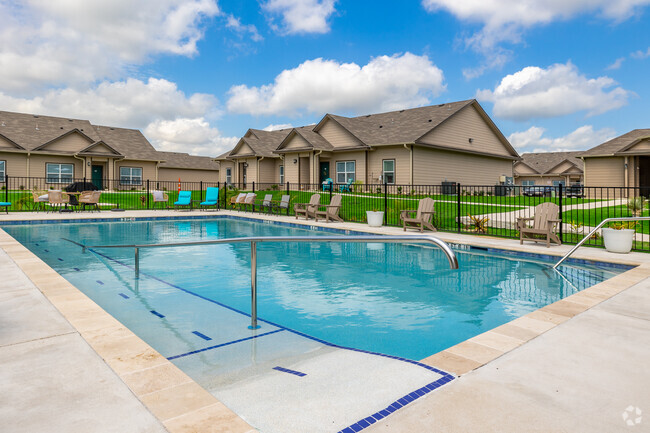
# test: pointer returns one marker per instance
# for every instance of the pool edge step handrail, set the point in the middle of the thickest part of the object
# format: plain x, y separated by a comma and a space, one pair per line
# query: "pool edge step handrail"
591, 233
446, 249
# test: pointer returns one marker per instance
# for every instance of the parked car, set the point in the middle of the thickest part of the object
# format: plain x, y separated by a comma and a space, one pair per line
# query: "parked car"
537, 191
577, 191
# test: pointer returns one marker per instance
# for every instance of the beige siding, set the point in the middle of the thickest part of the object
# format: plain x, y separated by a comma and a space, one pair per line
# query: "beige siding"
642, 146
268, 171
402, 159
290, 169
466, 124
223, 165
37, 164
337, 135
605, 172
70, 143
187, 175
360, 164
540, 180
304, 164
245, 149
522, 169
148, 169
15, 164
101, 149
432, 166
278, 162
6, 143
297, 142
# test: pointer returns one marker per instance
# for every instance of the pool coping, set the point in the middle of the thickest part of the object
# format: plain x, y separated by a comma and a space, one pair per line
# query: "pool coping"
182, 405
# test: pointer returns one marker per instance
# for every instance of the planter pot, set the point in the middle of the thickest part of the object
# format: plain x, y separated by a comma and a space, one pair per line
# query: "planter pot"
618, 241
375, 219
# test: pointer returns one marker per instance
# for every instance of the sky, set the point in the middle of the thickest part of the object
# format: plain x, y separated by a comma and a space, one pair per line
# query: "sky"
194, 75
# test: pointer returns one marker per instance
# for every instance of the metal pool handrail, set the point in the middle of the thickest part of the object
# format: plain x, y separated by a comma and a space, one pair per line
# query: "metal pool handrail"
602, 223
451, 256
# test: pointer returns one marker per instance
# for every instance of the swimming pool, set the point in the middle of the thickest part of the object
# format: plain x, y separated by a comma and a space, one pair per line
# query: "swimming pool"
400, 300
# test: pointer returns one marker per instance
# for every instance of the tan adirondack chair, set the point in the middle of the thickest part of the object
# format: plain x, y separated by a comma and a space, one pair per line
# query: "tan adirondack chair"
90, 198
307, 209
331, 211
544, 222
237, 200
249, 200
423, 215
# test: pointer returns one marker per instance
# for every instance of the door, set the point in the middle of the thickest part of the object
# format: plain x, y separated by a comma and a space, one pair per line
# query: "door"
644, 175
324, 171
242, 174
97, 176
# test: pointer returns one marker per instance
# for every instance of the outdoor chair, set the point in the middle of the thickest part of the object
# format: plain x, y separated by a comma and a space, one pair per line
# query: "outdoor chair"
267, 203
346, 187
307, 209
328, 184
423, 215
40, 198
160, 197
284, 204
184, 200
211, 198
90, 198
250, 201
57, 200
544, 222
237, 199
5, 204
331, 211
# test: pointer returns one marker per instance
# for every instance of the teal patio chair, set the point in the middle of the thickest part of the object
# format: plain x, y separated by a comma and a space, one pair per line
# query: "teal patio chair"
347, 187
184, 199
6, 205
211, 198
328, 184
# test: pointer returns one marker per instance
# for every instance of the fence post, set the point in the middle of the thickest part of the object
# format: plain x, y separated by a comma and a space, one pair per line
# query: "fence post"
385, 203
148, 194
201, 187
458, 206
6, 187
253, 186
289, 199
560, 204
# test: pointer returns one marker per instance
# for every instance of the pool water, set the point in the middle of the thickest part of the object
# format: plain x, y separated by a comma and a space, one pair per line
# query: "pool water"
394, 299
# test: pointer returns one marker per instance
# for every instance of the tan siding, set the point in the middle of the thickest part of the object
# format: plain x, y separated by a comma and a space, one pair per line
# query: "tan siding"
278, 163
563, 167
245, 149
268, 171
15, 164
431, 167
101, 149
70, 143
605, 172
466, 124
337, 135
641, 146
304, 170
360, 164
402, 159
522, 169
37, 164
297, 142
187, 175
291, 169
148, 168
6, 143
223, 165
540, 180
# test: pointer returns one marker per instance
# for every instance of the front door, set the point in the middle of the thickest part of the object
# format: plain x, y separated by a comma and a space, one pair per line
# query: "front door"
644, 175
324, 171
242, 174
97, 176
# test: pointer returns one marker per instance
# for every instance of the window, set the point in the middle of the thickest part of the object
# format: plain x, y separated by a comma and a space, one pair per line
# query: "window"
59, 173
3, 170
130, 176
389, 171
281, 174
527, 183
229, 176
345, 171
558, 182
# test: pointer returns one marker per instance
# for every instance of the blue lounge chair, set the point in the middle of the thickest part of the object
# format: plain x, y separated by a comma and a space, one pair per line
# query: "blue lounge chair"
6, 205
328, 184
211, 198
184, 199
347, 187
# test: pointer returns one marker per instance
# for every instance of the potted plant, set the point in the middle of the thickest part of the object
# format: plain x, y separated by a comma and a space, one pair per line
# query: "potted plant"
375, 218
619, 236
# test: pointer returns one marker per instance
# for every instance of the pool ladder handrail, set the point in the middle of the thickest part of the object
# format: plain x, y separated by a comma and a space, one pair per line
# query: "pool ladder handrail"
451, 256
591, 233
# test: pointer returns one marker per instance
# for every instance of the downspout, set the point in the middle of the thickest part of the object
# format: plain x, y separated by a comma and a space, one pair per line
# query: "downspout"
315, 168
83, 163
257, 169
366, 164
627, 176
157, 167
28, 168
410, 149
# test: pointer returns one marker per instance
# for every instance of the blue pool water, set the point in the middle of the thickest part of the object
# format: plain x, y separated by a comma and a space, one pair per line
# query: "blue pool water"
400, 300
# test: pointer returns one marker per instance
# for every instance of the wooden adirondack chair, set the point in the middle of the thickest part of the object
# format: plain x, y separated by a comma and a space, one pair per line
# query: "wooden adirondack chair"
423, 215
544, 222
307, 209
331, 211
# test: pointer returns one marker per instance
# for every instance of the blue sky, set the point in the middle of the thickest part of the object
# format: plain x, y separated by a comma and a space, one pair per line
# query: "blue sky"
194, 75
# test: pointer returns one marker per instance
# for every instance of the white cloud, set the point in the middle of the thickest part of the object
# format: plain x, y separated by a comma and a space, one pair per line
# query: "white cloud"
583, 138
192, 135
319, 86
640, 55
556, 91
276, 127
617, 64
235, 24
71, 42
301, 16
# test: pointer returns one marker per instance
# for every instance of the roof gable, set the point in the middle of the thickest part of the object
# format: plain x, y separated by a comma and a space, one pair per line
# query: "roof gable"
521, 168
6, 142
242, 148
72, 141
640, 145
336, 134
99, 148
618, 144
554, 162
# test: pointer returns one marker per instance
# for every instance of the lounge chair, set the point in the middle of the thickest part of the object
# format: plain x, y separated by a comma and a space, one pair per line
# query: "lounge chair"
250, 201
58, 200
307, 209
40, 198
90, 198
423, 215
5, 204
328, 184
284, 204
184, 199
159, 197
211, 198
346, 187
237, 199
331, 211
544, 222
267, 203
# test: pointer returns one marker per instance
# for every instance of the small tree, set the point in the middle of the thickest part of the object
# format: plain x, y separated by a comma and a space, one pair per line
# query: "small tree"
636, 205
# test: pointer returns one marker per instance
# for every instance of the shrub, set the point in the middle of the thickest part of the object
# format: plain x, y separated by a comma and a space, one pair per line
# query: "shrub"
274, 187
399, 190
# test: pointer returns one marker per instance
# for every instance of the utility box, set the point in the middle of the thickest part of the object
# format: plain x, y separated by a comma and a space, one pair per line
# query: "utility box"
449, 188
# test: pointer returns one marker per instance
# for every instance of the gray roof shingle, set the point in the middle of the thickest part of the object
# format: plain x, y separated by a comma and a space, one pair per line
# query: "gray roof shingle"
617, 144
185, 160
544, 162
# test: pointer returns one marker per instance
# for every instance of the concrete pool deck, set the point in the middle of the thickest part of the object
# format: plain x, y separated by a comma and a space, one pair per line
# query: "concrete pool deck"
490, 392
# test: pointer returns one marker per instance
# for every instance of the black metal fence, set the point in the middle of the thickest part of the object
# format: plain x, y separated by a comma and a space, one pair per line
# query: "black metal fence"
477, 209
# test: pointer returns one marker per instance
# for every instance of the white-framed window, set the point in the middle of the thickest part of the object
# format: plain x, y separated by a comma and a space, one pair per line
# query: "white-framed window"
3, 170
281, 174
558, 182
389, 171
228, 176
131, 175
345, 171
59, 173
527, 183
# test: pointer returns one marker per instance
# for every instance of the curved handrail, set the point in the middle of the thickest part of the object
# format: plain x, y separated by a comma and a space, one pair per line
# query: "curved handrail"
451, 256
586, 238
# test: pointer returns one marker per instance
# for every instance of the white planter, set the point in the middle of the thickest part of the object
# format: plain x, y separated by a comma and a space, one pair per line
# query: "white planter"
618, 241
375, 219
